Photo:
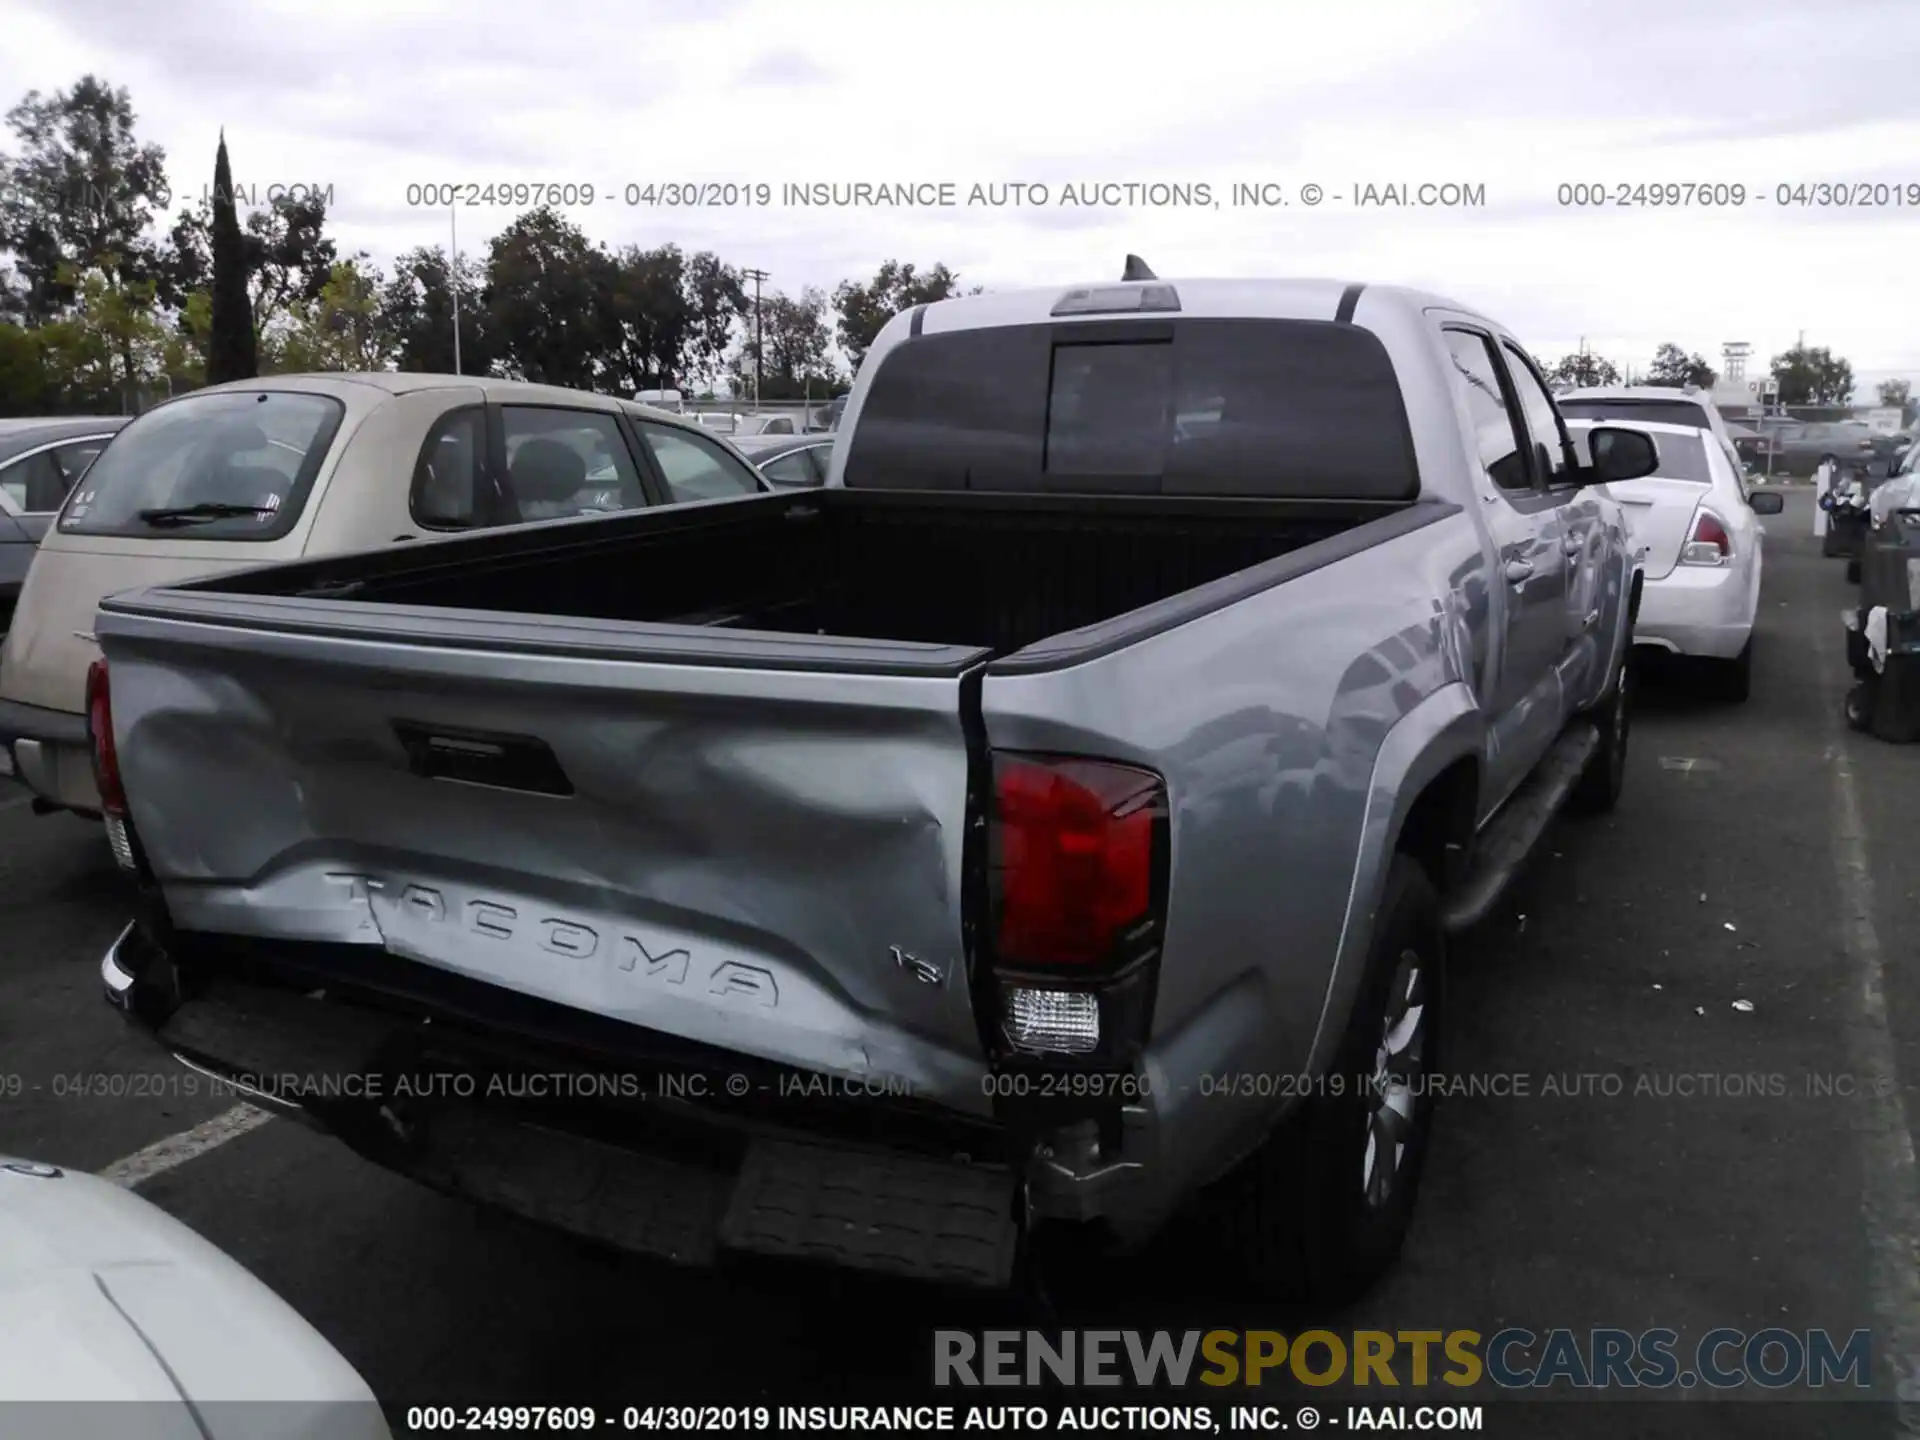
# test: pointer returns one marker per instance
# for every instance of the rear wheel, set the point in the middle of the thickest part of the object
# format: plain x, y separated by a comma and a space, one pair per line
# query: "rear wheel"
1732, 680
1860, 702
1321, 1210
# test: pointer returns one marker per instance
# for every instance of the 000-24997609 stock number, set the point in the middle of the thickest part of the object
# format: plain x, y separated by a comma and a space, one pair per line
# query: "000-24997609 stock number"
652, 195
535, 1419
1732, 195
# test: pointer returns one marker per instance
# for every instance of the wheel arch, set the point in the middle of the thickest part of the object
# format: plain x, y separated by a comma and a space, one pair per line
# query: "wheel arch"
1423, 800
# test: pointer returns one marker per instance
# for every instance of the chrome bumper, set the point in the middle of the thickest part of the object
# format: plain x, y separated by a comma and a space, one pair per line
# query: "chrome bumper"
117, 979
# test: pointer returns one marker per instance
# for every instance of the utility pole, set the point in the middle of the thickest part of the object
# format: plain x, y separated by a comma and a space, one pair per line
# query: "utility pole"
756, 276
453, 278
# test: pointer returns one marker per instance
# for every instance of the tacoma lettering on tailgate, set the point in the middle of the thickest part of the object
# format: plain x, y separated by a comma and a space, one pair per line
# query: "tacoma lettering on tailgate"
730, 979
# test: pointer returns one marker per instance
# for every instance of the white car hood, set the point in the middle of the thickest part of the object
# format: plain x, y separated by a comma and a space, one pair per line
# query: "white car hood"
105, 1298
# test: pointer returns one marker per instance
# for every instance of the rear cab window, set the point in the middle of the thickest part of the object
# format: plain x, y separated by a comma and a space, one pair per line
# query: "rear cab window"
236, 465
1285, 409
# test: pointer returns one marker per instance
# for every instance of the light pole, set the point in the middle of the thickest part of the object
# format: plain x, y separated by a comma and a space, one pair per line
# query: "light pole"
756, 276
453, 278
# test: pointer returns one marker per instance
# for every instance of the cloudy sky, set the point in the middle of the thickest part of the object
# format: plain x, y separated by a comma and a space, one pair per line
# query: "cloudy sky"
369, 97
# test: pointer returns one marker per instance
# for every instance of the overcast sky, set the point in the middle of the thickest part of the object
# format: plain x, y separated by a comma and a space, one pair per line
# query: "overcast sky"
1518, 96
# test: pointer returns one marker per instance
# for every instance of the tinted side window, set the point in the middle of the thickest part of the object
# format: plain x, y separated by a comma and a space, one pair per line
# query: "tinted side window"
34, 481
1548, 443
694, 467
73, 461
1496, 427
563, 463
450, 487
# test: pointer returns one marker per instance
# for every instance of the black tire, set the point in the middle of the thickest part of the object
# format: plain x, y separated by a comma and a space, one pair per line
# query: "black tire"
1731, 681
1295, 1222
1860, 704
1598, 789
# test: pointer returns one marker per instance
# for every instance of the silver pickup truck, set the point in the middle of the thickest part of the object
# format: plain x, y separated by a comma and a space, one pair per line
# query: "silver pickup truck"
1047, 828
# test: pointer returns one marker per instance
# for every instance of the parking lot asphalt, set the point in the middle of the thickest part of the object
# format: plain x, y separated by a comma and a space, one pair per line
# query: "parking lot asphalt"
1693, 1025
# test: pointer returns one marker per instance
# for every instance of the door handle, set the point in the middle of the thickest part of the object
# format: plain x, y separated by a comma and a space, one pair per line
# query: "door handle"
1519, 571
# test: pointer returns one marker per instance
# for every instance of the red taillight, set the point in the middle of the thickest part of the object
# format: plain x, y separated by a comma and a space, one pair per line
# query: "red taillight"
1075, 844
106, 763
1710, 544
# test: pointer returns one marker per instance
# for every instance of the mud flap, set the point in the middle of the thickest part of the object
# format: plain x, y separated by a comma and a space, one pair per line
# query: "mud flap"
924, 1219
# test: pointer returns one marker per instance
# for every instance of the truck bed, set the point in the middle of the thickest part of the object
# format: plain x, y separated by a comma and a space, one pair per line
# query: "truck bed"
986, 572
713, 772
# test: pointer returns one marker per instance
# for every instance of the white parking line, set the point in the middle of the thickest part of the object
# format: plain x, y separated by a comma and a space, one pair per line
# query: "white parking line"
1889, 1197
163, 1155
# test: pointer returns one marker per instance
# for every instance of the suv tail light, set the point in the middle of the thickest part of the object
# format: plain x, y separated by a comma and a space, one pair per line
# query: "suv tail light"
106, 762
1077, 900
1710, 544
106, 768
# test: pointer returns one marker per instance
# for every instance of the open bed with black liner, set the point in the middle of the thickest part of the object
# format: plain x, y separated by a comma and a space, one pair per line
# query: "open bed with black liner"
994, 573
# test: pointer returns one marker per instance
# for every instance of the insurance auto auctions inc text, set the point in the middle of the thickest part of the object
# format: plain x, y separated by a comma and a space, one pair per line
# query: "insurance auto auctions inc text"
1131, 194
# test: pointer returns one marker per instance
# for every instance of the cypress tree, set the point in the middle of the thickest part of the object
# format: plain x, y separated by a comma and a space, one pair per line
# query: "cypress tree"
232, 352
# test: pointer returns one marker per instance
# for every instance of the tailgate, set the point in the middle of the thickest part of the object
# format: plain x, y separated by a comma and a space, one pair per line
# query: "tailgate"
739, 839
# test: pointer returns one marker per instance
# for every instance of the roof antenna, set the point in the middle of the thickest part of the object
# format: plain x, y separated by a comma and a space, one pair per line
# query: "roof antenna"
1137, 270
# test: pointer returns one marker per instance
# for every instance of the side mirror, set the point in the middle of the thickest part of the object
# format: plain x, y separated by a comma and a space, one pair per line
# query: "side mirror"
1620, 454
1767, 502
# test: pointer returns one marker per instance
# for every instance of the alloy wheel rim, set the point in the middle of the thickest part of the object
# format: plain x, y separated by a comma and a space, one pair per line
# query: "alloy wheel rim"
1399, 1063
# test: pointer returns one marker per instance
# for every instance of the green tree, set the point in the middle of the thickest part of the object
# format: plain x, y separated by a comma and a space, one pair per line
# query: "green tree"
187, 346
1582, 368
26, 388
80, 194
416, 314
864, 309
1676, 367
1812, 375
232, 344
112, 343
796, 343
649, 309
1895, 393
716, 300
339, 330
546, 293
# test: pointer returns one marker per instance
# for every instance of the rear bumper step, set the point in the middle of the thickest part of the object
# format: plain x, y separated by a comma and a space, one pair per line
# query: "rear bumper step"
875, 1212
618, 1177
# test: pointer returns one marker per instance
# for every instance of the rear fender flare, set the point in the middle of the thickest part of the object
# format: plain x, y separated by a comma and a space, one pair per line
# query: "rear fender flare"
1440, 731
